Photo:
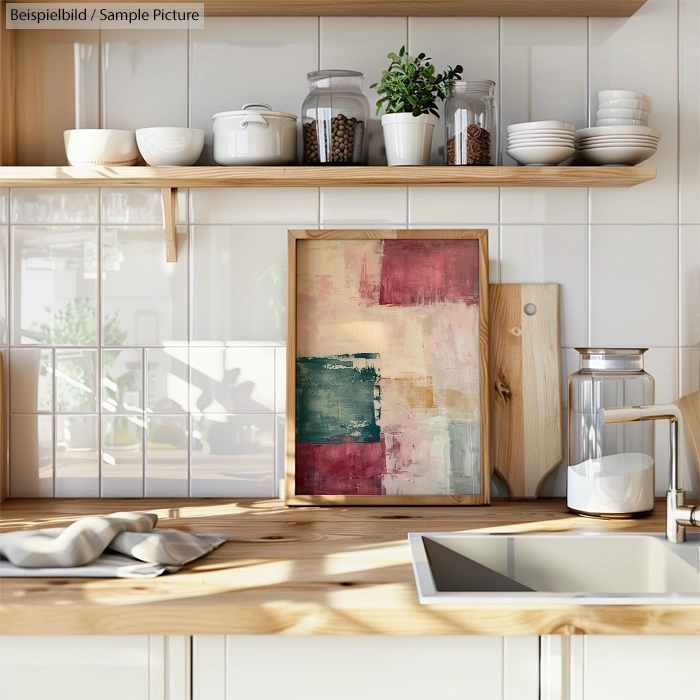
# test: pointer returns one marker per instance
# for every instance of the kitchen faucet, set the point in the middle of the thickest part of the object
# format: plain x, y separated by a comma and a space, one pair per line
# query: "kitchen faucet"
678, 515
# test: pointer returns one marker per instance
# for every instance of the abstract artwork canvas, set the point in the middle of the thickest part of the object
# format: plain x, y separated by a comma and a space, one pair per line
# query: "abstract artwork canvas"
387, 342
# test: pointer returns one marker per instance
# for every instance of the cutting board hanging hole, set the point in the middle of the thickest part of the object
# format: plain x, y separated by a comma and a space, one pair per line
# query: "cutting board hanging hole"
530, 309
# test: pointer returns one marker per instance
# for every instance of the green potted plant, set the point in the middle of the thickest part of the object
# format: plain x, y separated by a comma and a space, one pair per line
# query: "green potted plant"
410, 90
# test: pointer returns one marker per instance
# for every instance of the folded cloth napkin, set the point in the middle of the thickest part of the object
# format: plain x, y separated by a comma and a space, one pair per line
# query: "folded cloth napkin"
135, 549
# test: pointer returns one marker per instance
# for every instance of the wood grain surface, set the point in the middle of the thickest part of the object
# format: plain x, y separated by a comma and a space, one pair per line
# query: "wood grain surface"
526, 404
419, 8
307, 571
690, 408
310, 176
8, 67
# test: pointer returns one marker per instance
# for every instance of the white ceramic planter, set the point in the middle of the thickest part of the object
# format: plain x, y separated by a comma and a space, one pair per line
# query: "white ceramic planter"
407, 138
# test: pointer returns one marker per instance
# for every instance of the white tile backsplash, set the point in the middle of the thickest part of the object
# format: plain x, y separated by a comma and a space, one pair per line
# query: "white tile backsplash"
235, 60
537, 254
640, 53
192, 390
144, 78
633, 286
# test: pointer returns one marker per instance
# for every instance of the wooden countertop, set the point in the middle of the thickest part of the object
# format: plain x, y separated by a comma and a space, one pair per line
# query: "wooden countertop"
306, 571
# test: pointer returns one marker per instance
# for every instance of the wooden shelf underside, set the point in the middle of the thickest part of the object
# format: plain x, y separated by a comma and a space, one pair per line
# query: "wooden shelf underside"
417, 8
370, 176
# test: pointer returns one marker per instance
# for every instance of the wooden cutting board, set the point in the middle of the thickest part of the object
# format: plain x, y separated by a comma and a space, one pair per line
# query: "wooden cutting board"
525, 364
690, 408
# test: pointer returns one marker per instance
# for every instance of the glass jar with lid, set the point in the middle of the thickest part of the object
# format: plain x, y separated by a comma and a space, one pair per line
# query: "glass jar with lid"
611, 466
335, 117
471, 124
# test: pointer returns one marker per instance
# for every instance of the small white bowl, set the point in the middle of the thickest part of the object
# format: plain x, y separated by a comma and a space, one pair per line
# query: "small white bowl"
617, 144
170, 146
623, 114
622, 122
539, 126
618, 137
606, 95
539, 139
615, 130
630, 155
625, 104
100, 147
540, 155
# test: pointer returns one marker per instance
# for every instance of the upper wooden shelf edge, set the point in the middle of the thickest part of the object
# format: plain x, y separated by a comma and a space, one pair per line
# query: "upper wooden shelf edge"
417, 8
369, 176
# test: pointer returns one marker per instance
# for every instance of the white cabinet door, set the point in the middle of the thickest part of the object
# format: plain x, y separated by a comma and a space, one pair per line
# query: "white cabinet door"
87, 667
367, 667
641, 667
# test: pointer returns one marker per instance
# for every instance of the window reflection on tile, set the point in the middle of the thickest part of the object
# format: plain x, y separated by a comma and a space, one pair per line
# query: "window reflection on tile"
280, 380
77, 457
55, 285
122, 457
243, 264
31, 380
166, 456
232, 455
33, 205
122, 381
145, 298
167, 383
232, 380
138, 206
31, 456
76, 381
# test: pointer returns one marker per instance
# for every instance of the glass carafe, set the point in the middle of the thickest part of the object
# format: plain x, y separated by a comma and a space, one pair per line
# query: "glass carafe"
471, 124
335, 116
611, 466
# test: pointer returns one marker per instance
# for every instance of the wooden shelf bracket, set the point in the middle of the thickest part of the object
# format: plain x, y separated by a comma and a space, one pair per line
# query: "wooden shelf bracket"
169, 197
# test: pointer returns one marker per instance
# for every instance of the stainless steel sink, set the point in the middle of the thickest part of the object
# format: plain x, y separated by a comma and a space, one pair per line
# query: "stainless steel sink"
589, 568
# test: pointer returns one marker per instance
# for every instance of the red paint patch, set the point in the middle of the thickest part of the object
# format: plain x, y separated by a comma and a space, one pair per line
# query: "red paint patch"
420, 272
346, 469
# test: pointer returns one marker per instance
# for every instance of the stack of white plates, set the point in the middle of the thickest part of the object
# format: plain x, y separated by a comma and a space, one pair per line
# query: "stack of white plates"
617, 145
541, 143
623, 108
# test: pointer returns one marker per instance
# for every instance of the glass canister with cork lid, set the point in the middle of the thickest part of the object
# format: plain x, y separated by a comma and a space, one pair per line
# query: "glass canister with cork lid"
471, 124
611, 466
335, 116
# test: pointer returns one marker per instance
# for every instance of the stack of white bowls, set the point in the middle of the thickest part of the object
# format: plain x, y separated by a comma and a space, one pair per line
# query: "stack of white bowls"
541, 143
623, 108
622, 135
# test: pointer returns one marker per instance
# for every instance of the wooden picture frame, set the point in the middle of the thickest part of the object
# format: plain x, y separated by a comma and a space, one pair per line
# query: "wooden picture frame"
480, 298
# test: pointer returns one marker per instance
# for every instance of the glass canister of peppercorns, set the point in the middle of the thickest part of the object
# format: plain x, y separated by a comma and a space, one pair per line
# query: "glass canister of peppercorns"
335, 116
471, 124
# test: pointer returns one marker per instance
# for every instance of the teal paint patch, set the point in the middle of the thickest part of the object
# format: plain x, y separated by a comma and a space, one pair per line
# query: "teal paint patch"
465, 456
338, 399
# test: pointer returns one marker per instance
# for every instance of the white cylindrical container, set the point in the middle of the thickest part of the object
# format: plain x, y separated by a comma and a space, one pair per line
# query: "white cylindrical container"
611, 466
407, 139
255, 135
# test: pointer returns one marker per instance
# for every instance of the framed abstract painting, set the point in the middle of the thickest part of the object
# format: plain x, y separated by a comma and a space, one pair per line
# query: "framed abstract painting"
387, 368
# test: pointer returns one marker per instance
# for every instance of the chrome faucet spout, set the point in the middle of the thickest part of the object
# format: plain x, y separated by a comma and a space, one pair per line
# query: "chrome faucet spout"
678, 515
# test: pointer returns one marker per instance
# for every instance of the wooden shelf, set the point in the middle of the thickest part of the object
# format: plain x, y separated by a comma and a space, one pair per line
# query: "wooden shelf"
370, 176
418, 8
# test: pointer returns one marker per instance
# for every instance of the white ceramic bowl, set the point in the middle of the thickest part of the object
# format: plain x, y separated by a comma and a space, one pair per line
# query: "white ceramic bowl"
539, 126
540, 155
616, 130
540, 139
619, 137
615, 144
606, 95
100, 147
622, 122
625, 104
629, 155
623, 114
170, 145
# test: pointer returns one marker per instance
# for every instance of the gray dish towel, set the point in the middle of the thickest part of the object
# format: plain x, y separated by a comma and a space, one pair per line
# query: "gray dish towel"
121, 545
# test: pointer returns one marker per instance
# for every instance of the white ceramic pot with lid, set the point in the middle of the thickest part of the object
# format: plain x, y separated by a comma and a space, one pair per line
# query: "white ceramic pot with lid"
255, 135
